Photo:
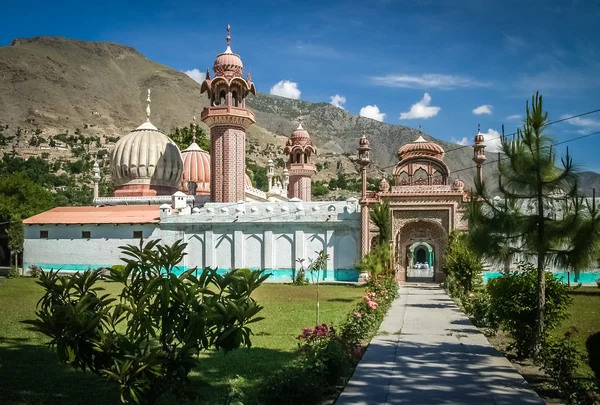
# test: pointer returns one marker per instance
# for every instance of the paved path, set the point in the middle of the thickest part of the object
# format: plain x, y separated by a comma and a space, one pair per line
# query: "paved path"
428, 352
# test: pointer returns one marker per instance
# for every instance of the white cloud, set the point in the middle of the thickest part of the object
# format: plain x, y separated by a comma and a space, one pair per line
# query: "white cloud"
372, 111
195, 74
437, 81
464, 141
483, 109
287, 89
492, 141
514, 117
586, 125
422, 109
338, 100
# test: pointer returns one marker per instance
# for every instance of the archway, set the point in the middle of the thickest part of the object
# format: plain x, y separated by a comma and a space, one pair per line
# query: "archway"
419, 237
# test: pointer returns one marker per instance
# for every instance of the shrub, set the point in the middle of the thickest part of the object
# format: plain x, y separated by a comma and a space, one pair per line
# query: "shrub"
376, 262
169, 319
35, 271
592, 344
294, 384
461, 264
13, 272
478, 306
513, 297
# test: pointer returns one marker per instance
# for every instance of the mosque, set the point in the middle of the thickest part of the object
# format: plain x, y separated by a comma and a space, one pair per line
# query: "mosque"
207, 200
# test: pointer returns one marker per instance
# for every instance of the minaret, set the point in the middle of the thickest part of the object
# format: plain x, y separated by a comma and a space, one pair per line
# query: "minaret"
299, 149
228, 119
363, 161
286, 180
96, 178
270, 173
479, 153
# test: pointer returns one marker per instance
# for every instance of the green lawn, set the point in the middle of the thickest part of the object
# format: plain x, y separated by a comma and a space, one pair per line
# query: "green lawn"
584, 315
30, 374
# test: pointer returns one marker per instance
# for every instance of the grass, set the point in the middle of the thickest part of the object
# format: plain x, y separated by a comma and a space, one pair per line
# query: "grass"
30, 373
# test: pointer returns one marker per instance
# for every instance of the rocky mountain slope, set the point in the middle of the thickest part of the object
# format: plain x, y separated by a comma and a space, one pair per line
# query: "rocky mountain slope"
52, 84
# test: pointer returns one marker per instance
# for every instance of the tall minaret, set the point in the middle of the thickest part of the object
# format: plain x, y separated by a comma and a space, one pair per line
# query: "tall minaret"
95, 178
299, 149
270, 173
479, 153
228, 118
363, 161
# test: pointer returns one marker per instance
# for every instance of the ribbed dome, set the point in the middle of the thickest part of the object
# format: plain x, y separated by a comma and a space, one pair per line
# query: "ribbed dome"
299, 138
228, 64
420, 147
196, 167
146, 156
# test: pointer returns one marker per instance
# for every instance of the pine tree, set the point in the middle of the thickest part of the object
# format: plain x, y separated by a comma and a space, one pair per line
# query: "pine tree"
539, 215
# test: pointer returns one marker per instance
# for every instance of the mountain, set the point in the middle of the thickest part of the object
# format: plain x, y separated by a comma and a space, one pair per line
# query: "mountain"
51, 85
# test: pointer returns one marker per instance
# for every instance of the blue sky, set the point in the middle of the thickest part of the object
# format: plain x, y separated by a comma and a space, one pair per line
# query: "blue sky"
432, 63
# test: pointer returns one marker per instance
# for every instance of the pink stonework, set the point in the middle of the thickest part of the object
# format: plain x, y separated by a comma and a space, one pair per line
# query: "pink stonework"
142, 190
299, 149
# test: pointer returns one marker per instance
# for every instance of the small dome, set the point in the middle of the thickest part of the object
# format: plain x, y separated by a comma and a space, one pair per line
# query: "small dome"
384, 186
146, 156
479, 139
420, 147
363, 142
228, 64
196, 168
299, 138
458, 185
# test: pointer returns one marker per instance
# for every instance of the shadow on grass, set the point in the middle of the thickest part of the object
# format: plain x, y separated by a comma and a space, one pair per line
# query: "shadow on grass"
585, 293
31, 374
341, 300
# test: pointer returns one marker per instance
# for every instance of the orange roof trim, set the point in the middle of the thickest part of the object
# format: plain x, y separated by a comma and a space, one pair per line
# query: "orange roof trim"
120, 214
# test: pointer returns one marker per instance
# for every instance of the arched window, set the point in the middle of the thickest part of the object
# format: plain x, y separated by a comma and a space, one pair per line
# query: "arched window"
305, 157
234, 97
222, 97
298, 157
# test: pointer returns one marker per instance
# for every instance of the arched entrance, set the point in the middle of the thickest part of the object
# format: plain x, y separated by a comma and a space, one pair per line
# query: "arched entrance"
419, 246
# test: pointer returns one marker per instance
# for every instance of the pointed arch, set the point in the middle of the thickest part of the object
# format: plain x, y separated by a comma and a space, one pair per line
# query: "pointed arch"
284, 252
253, 252
224, 252
346, 252
195, 252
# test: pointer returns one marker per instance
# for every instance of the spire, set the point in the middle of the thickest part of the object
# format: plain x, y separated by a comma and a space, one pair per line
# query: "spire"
420, 128
228, 38
300, 118
194, 130
478, 128
148, 107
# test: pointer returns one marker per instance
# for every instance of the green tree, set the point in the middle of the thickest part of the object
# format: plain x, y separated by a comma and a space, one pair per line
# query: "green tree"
183, 137
461, 264
148, 339
539, 214
318, 189
381, 216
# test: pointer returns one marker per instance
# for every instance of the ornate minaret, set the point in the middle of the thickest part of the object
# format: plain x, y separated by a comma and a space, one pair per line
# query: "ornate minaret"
286, 180
95, 178
270, 173
299, 149
479, 153
363, 161
228, 118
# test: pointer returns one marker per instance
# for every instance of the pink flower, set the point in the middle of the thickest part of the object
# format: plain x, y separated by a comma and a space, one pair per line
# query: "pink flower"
372, 304
358, 314
471, 295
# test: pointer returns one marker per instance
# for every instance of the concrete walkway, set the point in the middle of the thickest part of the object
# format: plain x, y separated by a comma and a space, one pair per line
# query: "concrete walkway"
428, 352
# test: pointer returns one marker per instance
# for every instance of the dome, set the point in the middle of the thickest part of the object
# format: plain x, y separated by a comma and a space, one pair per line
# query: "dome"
196, 168
363, 142
458, 185
228, 63
479, 139
420, 147
299, 138
384, 186
146, 157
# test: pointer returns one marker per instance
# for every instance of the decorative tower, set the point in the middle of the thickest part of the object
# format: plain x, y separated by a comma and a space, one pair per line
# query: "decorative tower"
228, 118
95, 178
299, 149
363, 161
479, 153
286, 180
270, 173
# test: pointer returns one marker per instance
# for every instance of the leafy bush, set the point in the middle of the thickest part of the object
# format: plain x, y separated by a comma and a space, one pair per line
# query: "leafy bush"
294, 384
560, 359
13, 272
514, 300
461, 264
148, 339
35, 271
377, 262
478, 306
592, 345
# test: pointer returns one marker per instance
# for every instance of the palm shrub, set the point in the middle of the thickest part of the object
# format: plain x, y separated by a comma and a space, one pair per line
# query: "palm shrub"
513, 299
376, 262
382, 218
148, 338
539, 214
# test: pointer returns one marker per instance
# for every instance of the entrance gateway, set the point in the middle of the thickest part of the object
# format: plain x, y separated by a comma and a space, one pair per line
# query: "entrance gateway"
425, 207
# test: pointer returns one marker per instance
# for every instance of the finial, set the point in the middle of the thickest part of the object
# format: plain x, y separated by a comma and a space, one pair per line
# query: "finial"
148, 107
207, 75
194, 130
478, 128
300, 118
228, 38
249, 78
420, 129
